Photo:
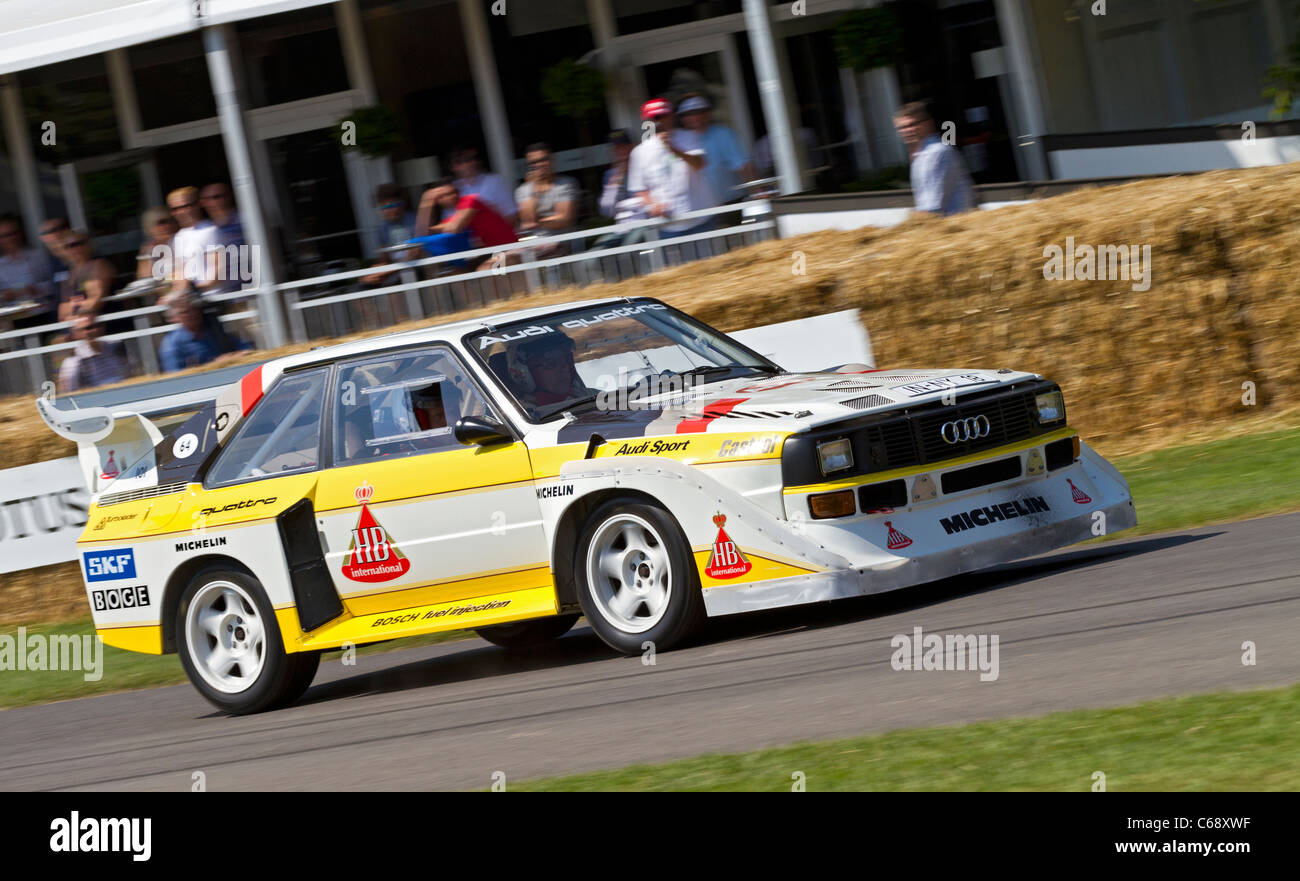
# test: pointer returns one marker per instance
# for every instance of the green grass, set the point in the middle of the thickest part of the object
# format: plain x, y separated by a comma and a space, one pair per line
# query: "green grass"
124, 671
1248, 476
1232, 479
1228, 741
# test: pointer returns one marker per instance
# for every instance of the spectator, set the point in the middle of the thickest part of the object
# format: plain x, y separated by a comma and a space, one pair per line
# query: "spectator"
91, 363
468, 214
52, 233
669, 179
223, 264
940, 182
548, 202
158, 227
472, 180
616, 202
194, 340
397, 227
89, 281
728, 162
24, 275
192, 242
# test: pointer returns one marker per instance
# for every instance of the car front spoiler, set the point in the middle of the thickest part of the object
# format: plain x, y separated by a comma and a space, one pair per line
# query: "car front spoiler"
843, 583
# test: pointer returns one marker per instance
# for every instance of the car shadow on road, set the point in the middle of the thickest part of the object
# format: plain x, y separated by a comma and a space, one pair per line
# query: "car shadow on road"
811, 617
472, 659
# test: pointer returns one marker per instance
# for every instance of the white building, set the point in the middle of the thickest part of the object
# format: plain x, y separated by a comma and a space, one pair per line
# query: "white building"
108, 105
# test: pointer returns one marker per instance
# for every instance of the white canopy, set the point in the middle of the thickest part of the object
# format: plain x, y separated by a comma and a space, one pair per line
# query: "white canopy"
34, 33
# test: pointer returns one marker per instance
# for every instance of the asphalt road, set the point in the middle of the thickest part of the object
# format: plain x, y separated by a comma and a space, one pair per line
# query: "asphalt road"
1098, 626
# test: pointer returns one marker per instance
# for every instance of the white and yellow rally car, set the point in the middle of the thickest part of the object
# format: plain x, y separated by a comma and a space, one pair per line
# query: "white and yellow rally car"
615, 459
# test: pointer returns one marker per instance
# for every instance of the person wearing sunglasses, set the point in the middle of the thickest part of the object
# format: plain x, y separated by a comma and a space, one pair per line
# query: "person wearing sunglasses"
89, 281
194, 240
548, 202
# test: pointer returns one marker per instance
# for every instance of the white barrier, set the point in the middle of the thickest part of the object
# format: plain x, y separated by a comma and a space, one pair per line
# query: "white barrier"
41, 526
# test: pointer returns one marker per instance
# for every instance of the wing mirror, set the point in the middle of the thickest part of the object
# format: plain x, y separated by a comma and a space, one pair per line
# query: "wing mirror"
475, 431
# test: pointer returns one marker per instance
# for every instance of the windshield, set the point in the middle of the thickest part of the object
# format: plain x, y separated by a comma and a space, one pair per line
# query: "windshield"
610, 357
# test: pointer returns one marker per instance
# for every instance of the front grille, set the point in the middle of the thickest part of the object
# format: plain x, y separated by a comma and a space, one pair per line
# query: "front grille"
147, 492
913, 437
1011, 418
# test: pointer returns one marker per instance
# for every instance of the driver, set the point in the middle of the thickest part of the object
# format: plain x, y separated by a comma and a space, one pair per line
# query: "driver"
547, 373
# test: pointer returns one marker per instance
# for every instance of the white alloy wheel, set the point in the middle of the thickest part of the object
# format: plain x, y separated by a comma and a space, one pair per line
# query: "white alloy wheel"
629, 573
225, 636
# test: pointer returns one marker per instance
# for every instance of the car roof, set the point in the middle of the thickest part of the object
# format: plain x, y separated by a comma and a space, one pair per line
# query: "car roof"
432, 334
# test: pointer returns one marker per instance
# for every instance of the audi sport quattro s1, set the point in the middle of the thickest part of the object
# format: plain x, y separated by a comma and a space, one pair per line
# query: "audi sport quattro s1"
615, 459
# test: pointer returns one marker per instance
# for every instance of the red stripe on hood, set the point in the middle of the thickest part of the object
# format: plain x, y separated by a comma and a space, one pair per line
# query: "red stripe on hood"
250, 390
711, 412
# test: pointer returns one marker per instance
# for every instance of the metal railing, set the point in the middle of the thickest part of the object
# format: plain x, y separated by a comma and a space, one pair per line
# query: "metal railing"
339, 303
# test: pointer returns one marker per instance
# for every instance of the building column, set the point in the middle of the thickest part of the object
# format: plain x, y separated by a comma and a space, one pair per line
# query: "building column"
487, 88
238, 158
626, 88
774, 92
363, 173
737, 101
1024, 84
27, 181
125, 105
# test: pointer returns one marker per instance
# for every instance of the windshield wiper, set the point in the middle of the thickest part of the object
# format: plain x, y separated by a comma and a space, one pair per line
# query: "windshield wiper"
551, 413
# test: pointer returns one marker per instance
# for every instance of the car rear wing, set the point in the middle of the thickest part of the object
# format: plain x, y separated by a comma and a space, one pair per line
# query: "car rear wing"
113, 447
126, 450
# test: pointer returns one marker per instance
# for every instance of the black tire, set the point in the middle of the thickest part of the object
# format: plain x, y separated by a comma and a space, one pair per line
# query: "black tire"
666, 622
268, 676
528, 634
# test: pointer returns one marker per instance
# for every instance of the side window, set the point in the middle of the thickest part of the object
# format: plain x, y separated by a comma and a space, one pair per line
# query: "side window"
402, 405
282, 436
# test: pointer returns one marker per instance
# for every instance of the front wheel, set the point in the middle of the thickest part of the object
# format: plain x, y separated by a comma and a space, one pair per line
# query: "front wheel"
636, 577
230, 645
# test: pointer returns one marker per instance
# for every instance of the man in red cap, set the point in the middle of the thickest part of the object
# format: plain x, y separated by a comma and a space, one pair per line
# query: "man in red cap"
670, 180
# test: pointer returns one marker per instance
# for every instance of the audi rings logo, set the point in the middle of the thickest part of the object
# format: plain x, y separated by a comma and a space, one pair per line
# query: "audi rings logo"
968, 429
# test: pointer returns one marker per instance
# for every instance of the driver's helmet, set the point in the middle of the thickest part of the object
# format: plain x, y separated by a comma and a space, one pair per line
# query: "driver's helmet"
429, 407
522, 357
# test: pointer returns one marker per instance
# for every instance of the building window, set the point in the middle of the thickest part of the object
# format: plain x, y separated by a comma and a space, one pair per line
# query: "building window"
292, 56
634, 16
171, 81
70, 112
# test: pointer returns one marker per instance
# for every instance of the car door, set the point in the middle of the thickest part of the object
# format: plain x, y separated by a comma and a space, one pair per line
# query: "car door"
408, 515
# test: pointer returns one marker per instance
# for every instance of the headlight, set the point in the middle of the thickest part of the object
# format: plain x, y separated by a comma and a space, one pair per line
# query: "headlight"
836, 455
1051, 407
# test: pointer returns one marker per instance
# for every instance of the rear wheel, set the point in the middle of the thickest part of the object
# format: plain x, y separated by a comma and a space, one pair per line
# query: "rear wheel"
230, 645
527, 634
636, 578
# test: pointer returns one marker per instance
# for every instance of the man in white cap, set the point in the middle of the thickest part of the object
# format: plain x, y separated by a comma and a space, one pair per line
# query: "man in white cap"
728, 162
668, 176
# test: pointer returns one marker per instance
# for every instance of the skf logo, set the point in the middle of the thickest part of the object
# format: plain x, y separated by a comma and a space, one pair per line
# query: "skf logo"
373, 555
109, 565
726, 560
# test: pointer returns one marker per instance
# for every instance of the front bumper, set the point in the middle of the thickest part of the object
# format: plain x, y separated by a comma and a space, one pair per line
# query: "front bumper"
947, 535
843, 583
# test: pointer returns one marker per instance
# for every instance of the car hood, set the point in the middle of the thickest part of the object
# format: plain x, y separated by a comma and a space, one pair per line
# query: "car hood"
786, 402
